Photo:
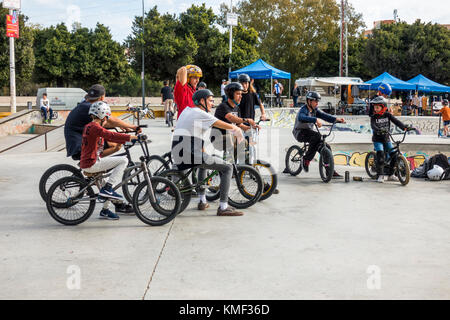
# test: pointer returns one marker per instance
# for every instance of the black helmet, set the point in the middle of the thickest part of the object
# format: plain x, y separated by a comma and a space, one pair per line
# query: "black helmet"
445, 102
231, 88
201, 94
244, 78
202, 84
313, 95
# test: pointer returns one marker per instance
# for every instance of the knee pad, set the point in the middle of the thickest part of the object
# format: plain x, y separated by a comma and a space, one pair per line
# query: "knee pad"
380, 157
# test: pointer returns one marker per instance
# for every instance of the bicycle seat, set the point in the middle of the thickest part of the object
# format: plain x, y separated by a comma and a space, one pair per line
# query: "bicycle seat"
93, 175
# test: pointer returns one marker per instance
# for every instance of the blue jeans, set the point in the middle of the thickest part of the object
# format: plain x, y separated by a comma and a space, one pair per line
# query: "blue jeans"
44, 111
385, 147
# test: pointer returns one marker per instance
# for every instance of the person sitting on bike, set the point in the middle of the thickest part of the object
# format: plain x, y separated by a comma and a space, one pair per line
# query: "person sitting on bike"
303, 131
79, 117
188, 148
187, 80
92, 160
380, 122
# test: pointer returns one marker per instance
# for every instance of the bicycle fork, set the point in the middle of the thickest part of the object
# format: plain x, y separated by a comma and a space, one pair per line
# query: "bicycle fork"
150, 191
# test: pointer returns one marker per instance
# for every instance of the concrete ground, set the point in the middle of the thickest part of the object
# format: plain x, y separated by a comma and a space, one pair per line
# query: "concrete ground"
356, 240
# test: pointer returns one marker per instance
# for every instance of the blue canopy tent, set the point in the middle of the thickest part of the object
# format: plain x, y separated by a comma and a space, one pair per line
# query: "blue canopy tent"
395, 83
424, 84
262, 70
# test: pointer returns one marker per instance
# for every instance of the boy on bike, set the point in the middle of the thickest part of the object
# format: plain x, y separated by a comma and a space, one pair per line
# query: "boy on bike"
92, 160
380, 122
303, 131
188, 148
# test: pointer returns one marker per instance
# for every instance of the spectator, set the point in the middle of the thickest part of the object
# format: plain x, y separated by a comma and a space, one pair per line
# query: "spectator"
295, 94
222, 90
415, 104
278, 90
46, 109
423, 105
445, 111
187, 80
167, 99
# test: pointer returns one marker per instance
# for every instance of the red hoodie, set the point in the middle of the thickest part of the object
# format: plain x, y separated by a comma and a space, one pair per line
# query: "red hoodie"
183, 96
93, 135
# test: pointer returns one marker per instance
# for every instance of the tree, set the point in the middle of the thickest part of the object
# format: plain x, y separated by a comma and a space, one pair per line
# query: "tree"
408, 50
24, 55
165, 51
293, 33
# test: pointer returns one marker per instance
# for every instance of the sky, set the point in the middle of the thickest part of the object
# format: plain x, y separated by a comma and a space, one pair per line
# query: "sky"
119, 14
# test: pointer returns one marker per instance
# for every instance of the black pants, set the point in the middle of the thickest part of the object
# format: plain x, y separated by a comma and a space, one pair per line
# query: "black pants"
278, 100
313, 138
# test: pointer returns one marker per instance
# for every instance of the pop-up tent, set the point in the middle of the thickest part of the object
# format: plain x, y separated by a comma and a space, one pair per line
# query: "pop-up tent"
395, 83
422, 83
262, 70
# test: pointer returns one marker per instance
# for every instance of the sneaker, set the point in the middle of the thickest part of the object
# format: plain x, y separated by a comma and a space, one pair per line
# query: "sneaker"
124, 208
229, 212
49, 121
276, 191
336, 175
285, 170
108, 214
202, 206
108, 192
306, 165
380, 179
392, 178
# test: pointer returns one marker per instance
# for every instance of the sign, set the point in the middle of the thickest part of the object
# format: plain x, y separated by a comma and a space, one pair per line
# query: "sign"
12, 25
232, 19
11, 4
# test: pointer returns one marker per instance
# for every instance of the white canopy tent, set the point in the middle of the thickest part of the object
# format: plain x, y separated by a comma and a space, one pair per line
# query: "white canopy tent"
334, 82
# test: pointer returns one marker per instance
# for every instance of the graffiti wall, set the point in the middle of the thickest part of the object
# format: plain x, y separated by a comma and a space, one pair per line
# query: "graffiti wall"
285, 118
357, 159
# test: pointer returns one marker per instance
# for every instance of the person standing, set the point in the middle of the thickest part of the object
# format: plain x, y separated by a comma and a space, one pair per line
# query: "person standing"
424, 105
46, 109
167, 99
415, 104
222, 90
249, 99
295, 94
278, 90
187, 80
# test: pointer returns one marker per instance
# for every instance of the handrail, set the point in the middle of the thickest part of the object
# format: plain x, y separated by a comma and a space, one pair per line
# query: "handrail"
35, 137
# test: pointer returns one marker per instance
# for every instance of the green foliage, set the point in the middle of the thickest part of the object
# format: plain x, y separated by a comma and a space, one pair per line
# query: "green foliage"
407, 50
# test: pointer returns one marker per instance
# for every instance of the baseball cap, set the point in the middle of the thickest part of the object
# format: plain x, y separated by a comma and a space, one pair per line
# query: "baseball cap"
223, 80
96, 91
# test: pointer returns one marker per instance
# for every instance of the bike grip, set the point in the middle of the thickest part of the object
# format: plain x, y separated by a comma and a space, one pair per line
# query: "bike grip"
143, 126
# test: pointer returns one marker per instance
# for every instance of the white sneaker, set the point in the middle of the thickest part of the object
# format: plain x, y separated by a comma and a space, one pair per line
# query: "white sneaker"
392, 178
380, 179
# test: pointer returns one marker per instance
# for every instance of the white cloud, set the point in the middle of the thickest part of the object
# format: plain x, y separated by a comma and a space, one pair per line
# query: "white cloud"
73, 15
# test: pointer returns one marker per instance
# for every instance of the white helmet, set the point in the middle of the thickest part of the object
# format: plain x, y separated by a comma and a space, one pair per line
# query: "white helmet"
100, 109
436, 173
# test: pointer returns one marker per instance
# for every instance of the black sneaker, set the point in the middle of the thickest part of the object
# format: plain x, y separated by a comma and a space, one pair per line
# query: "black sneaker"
286, 170
124, 208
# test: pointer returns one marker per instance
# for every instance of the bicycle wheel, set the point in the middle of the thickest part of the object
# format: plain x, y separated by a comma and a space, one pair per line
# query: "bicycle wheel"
402, 170
293, 160
246, 187
269, 177
326, 164
62, 204
150, 114
55, 173
167, 206
371, 165
183, 185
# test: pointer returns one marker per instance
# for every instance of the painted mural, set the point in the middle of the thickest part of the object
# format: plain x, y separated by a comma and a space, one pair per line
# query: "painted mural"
357, 159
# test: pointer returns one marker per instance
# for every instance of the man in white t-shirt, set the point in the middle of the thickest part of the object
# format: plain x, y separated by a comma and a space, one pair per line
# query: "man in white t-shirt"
45, 108
278, 90
192, 130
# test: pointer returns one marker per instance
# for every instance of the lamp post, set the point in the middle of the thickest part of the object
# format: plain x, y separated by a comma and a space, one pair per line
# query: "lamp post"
143, 60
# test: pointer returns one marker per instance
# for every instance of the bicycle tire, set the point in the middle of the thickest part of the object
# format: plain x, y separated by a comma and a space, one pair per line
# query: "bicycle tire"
53, 206
270, 181
370, 163
154, 164
294, 155
168, 214
46, 181
245, 197
326, 164
182, 184
150, 114
402, 170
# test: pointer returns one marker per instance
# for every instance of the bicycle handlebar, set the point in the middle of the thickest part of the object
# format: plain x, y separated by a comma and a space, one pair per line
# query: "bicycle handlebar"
325, 125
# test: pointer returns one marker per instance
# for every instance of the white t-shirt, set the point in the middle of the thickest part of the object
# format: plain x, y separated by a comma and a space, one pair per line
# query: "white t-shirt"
192, 129
45, 103
222, 90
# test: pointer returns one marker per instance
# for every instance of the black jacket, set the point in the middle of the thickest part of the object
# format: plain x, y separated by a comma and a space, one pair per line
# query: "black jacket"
381, 124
